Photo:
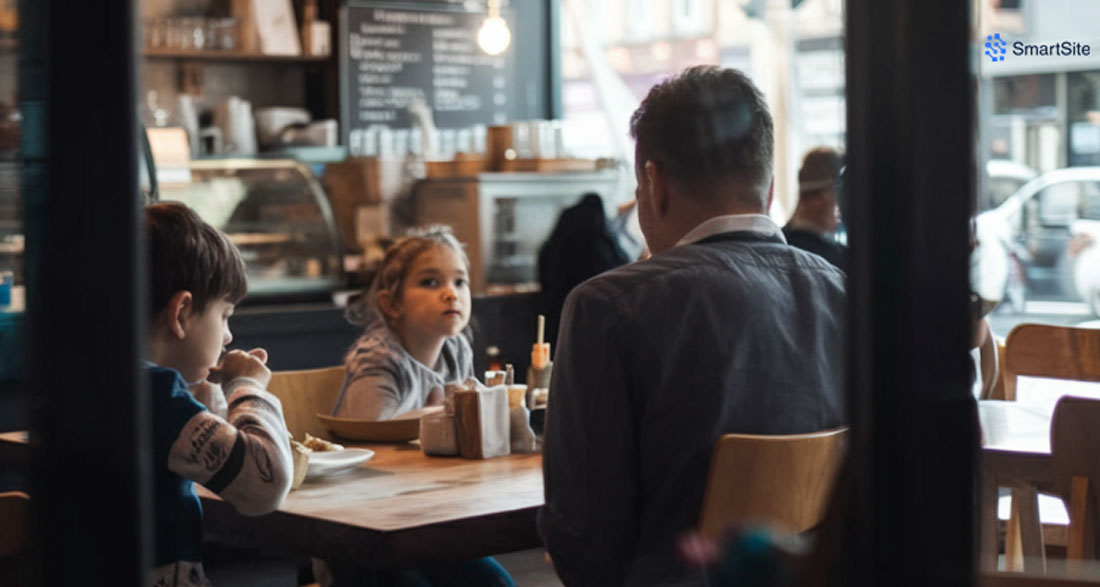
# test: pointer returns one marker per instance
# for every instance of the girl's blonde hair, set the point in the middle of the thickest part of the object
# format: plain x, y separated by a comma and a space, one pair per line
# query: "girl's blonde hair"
394, 268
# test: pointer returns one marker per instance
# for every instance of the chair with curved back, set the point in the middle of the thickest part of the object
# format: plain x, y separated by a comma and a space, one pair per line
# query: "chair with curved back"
306, 393
1056, 352
992, 356
782, 481
1075, 454
1053, 352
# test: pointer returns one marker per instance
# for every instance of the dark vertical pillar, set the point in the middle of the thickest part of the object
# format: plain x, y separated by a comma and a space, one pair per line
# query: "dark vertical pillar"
85, 294
910, 181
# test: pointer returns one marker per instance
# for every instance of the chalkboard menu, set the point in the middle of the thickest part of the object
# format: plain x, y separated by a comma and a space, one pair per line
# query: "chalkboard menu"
393, 54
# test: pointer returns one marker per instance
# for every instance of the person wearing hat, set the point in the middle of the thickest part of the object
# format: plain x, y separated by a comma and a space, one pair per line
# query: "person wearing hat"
817, 216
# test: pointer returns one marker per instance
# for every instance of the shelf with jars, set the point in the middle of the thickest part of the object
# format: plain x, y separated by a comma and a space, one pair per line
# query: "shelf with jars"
221, 55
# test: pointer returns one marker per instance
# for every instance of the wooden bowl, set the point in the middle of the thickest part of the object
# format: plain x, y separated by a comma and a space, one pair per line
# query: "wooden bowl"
403, 428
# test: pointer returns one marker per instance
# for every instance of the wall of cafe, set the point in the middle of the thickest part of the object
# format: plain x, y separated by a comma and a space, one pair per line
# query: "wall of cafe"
314, 85
300, 342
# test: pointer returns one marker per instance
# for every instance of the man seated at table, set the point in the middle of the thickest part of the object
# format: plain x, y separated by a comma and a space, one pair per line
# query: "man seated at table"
724, 329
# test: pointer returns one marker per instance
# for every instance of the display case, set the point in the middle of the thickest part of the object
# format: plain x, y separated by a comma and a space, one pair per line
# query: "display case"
276, 213
503, 218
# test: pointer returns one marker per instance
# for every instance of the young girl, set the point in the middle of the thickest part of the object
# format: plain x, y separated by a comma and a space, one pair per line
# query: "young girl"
415, 314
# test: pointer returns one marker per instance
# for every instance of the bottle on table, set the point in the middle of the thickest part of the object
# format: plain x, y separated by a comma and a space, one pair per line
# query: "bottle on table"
538, 374
494, 358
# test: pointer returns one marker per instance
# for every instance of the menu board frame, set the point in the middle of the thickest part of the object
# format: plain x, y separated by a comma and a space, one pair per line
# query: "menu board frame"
488, 81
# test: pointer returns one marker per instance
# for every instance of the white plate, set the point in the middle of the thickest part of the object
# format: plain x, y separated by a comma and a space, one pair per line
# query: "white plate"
335, 461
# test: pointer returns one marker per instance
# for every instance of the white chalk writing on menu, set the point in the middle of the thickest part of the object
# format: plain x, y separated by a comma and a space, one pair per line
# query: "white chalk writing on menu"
396, 57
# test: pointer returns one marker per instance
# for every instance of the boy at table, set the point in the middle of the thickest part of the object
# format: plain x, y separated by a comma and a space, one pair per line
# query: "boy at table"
243, 454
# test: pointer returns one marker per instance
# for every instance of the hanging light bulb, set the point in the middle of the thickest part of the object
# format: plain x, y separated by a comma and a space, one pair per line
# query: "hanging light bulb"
493, 37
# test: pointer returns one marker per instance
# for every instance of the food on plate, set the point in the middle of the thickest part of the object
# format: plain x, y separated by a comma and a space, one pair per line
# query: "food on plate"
320, 444
300, 453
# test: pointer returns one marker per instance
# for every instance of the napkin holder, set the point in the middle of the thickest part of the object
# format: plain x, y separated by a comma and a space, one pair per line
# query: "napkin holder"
438, 435
482, 422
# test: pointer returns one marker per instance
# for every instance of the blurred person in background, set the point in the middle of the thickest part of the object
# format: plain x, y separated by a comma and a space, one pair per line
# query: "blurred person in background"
583, 244
817, 216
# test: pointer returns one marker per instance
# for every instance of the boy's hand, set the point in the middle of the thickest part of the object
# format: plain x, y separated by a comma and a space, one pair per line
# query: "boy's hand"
241, 364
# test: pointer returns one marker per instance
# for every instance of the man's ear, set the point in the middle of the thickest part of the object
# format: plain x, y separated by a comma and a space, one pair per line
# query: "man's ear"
658, 187
178, 312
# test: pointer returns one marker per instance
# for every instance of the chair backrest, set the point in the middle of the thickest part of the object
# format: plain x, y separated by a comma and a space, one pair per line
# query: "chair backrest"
1075, 456
1057, 352
782, 481
14, 533
997, 391
304, 394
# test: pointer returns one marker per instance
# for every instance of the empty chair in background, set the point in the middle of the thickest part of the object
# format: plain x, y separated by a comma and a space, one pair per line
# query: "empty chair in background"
305, 394
1074, 447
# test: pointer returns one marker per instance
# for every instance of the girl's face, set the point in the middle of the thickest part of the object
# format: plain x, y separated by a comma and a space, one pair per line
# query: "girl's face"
435, 297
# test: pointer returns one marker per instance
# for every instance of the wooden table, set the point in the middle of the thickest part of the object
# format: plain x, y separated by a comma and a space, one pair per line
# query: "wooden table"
1015, 453
400, 509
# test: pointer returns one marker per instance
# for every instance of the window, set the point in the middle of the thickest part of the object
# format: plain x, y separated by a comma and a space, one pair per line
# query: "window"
688, 17
601, 88
1040, 118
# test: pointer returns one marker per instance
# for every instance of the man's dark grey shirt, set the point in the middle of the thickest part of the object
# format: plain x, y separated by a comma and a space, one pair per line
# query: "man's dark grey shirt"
738, 332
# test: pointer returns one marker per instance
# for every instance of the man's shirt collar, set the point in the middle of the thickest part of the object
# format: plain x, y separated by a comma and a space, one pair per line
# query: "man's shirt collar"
758, 223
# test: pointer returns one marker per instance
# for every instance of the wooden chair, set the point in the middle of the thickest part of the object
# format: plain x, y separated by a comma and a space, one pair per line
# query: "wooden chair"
988, 371
306, 393
1055, 352
1075, 452
782, 481
996, 390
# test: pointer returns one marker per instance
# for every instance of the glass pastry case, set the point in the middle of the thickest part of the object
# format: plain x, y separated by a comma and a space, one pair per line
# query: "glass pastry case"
503, 218
277, 214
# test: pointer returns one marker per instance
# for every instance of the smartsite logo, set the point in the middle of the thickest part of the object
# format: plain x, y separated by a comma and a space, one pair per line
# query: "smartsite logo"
995, 47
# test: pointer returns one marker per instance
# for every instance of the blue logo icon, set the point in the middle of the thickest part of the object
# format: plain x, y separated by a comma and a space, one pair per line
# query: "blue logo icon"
995, 47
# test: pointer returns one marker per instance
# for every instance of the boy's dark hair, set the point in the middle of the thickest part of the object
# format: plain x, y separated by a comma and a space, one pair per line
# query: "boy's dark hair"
186, 253
706, 124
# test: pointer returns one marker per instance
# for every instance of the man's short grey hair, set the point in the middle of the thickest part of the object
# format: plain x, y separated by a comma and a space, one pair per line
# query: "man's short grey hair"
705, 125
